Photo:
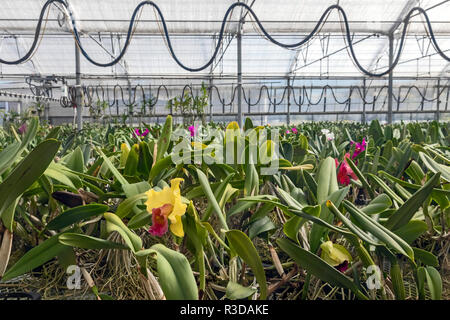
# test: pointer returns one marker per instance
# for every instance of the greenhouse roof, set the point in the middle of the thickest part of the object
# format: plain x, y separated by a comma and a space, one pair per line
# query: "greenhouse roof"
194, 26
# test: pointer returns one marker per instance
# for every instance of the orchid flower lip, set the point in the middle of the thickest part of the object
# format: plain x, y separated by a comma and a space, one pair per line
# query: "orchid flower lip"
343, 266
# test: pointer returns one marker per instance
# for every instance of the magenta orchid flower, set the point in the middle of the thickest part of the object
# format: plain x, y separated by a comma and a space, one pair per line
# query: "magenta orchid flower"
345, 172
288, 131
294, 130
23, 128
192, 130
343, 266
359, 147
138, 133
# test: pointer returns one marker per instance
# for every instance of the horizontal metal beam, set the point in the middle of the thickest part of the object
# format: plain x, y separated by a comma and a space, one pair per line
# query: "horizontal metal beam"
219, 21
234, 114
306, 29
247, 35
258, 86
185, 76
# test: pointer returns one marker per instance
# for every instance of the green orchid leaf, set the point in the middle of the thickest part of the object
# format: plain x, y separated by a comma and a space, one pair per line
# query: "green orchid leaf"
36, 257
318, 267
26, 173
87, 242
235, 291
164, 139
175, 274
211, 198
436, 167
434, 282
114, 223
405, 213
75, 215
426, 257
381, 203
245, 249
412, 230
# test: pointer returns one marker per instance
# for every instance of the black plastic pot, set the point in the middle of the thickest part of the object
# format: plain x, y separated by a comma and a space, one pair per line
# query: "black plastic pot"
20, 296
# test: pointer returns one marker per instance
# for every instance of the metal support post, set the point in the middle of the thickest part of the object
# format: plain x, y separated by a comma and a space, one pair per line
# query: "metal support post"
438, 102
78, 101
210, 100
239, 75
390, 81
363, 120
288, 117
130, 105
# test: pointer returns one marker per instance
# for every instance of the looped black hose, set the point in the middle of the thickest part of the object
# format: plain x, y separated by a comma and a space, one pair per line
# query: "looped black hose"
221, 35
108, 99
217, 93
88, 95
309, 100
96, 92
139, 88
91, 92
350, 92
424, 98
132, 90
157, 95
222, 100
266, 89
183, 91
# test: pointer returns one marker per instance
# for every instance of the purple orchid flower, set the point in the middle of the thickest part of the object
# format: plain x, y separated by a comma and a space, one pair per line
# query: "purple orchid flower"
137, 132
343, 266
192, 130
23, 128
359, 147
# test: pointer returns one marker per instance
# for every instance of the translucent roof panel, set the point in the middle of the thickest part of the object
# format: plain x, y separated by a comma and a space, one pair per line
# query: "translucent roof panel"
329, 56
437, 11
150, 55
147, 55
258, 58
205, 16
431, 64
302, 16
194, 25
114, 15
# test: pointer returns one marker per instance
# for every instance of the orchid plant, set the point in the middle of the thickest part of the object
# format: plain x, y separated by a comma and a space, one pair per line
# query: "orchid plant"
346, 199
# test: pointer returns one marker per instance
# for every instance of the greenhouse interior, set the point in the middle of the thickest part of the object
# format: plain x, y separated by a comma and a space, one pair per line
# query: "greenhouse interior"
224, 150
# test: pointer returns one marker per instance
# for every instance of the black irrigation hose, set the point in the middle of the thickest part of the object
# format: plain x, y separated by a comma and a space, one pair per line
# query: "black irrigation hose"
97, 93
221, 34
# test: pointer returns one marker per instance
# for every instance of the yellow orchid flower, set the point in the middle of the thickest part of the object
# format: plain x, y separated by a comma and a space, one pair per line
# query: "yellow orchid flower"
198, 145
336, 255
124, 155
166, 205
233, 125
124, 146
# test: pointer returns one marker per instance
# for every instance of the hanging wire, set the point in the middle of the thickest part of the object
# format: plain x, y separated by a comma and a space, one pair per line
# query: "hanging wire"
136, 14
